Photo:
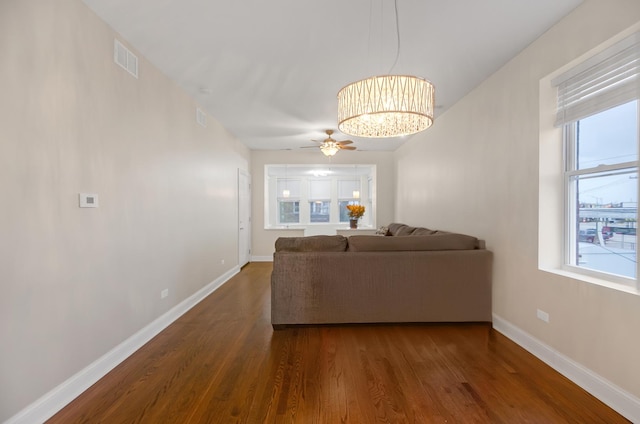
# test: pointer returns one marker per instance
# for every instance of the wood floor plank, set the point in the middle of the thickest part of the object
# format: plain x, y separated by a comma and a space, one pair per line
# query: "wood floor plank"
221, 362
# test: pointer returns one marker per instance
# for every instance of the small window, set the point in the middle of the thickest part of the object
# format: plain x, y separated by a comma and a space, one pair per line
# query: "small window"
348, 194
288, 190
319, 200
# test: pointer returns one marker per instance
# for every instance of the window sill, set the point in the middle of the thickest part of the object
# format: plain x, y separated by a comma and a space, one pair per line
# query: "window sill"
569, 273
285, 227
339, 227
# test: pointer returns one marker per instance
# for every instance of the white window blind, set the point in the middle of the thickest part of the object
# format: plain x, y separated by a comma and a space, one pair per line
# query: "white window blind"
319, 189
606, 80
293, 185
347, 187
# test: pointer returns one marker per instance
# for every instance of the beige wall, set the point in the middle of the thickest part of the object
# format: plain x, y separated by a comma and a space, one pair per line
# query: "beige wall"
263, 240
476, 171
78, 282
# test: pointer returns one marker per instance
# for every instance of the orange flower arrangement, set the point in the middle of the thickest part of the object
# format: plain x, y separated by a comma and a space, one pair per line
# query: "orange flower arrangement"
355, 211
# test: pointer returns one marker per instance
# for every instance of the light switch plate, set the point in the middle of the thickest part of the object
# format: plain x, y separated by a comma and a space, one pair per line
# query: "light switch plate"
88, 200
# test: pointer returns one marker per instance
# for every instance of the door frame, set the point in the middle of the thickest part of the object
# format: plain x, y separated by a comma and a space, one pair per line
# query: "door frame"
247, 225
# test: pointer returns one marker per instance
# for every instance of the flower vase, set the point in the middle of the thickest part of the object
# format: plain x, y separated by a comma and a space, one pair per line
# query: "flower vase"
353, 223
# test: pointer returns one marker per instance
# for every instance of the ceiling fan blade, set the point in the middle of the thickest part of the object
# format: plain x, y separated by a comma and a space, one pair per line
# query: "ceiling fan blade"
345, 142
310, 147
348, 147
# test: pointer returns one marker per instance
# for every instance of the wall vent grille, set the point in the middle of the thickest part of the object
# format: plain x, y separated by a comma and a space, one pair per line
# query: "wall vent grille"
125, 58
201, 117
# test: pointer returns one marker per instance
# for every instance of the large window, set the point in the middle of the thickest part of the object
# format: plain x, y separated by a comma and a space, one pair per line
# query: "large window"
297, 196
598, 110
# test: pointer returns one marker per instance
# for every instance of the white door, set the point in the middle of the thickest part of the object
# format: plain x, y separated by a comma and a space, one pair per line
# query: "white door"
244, 217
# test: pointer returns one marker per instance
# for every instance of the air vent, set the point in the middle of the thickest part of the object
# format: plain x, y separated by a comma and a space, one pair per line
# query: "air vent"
201, 117
125, 58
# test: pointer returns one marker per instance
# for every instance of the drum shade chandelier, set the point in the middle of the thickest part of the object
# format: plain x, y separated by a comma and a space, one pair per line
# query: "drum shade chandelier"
386, 105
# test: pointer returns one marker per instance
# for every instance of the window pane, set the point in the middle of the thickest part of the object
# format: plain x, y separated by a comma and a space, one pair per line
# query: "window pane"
606, 217
344, 212
319, 211
288, 212
608, 137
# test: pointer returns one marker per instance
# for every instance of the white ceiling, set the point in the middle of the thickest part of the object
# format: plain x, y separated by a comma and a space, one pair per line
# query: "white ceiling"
269, 71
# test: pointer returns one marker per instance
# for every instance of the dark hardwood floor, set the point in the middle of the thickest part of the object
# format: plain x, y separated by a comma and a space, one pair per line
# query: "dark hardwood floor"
222, 363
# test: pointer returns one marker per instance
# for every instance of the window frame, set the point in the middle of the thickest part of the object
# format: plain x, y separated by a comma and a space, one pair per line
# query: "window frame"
280, 198
571, 204
350, 200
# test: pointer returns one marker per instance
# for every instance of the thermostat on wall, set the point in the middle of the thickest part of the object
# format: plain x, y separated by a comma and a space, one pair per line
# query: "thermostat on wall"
88, 200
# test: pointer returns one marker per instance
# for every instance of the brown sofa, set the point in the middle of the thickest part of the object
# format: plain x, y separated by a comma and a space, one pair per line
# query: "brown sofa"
409, 275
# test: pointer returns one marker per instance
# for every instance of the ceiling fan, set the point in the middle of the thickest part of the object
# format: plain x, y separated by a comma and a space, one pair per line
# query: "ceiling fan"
330, 147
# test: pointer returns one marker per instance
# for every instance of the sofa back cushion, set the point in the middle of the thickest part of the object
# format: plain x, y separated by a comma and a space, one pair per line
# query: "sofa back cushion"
449, 241
419, 231
397, 229
312, 244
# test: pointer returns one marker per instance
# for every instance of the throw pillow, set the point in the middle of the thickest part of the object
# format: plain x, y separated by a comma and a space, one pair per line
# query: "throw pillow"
382, 231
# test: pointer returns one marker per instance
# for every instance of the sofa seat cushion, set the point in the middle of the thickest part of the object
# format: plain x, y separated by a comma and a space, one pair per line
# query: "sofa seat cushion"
447, 241
312, 244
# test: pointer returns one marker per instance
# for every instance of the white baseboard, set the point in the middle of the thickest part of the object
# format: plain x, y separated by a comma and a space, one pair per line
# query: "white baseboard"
52, 402
262, 258
618, 399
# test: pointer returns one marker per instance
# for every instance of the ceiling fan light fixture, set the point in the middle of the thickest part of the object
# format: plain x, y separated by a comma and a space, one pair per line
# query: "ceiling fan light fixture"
386, 106
329, 148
